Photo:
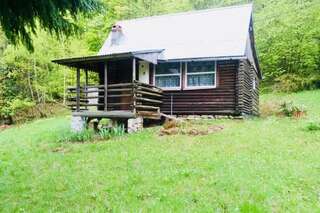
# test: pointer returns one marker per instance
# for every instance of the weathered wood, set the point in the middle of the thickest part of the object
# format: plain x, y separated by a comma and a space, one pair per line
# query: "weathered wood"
143, 88
83, 104
147, 85
133, 69
247, 95
86, 83
148, 100
78, 90
85, 87
104, 114
149, 93
105, 86
147, 107
120, 90
120, 95
118, 104
218, 100
149, 115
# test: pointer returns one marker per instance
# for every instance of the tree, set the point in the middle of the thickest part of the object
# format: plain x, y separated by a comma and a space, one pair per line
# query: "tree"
19, 19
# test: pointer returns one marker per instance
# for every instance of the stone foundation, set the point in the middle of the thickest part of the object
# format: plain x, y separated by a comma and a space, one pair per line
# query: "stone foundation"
135, 124
78, 123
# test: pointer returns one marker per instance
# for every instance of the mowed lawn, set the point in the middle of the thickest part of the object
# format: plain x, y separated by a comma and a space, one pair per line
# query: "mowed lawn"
257, 165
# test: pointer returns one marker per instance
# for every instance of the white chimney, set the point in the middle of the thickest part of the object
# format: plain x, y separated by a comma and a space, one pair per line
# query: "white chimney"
116, 34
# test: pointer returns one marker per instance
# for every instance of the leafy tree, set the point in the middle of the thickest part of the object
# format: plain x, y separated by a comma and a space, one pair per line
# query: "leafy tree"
19, 19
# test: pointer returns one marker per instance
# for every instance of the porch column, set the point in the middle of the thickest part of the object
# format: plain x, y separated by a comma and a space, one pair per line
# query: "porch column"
133, 87
78, 91
133, 69
105, 87
85, 87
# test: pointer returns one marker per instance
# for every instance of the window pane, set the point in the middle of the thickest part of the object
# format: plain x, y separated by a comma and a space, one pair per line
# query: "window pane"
168, 81
201, 66
168, 68
201, 80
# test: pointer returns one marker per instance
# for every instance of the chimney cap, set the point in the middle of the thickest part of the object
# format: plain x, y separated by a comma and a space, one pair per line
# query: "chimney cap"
116, 27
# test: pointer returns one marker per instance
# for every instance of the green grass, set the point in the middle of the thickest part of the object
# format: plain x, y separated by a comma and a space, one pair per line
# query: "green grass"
255, 165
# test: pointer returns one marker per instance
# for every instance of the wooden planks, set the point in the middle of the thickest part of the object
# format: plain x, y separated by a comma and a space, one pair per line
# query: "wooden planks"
219, 100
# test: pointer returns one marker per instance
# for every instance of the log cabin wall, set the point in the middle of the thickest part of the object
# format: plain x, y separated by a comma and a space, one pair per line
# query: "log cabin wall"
217, 101
247, 89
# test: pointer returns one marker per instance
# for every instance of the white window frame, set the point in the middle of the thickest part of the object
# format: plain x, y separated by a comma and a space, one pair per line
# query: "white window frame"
197, 73
178, 74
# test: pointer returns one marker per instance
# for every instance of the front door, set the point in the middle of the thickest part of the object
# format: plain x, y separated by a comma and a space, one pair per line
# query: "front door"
144, 72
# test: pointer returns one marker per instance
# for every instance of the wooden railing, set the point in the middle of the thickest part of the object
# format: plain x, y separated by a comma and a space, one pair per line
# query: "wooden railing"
140, 98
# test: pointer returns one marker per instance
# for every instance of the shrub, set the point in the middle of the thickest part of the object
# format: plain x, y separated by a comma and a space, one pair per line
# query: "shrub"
313, 126
85, 135
106, 133
290, 110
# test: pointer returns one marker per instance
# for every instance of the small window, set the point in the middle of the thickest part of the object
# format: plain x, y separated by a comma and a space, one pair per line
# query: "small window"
168, 75
201, 74
254, 84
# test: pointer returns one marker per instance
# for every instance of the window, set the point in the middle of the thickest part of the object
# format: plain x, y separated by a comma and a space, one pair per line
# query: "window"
201, 74
168, 75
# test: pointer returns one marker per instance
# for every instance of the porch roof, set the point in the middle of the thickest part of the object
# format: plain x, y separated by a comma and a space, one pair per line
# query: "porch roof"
95, 63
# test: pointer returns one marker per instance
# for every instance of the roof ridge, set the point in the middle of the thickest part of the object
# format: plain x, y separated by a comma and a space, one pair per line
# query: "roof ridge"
190, 12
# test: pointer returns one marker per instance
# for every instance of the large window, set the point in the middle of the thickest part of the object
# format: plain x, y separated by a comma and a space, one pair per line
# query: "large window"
201, 74
168, 75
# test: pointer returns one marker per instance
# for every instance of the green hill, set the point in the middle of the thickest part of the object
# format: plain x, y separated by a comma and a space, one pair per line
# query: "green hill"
268, 164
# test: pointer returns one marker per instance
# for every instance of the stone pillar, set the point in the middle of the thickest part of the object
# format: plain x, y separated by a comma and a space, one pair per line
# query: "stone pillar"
135, 124
78, 123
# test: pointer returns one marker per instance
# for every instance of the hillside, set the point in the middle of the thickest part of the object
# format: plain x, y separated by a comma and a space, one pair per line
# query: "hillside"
265, 164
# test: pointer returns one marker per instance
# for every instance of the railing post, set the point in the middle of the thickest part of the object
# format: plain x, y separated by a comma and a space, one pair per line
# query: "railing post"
78, 90
105, 87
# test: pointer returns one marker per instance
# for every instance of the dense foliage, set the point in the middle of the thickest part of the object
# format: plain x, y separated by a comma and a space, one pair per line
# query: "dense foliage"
19, 19
287, 36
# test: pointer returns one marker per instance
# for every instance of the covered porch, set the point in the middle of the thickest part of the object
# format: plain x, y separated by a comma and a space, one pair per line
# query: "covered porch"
120, 90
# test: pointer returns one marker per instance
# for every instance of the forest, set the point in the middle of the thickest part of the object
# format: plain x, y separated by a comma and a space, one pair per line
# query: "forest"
287, 37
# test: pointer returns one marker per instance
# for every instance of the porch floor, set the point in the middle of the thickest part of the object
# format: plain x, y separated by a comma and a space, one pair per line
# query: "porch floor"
105, 114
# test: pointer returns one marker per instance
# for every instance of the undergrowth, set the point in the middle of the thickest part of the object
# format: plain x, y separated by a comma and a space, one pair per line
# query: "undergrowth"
88, 135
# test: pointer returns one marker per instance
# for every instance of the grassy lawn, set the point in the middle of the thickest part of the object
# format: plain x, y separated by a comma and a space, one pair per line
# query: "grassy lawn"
256, 165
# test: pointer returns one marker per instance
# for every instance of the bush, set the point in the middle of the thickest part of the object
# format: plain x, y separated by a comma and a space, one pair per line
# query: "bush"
290, 110
89, 134
11, 108
106, 133
85, 135
313, 126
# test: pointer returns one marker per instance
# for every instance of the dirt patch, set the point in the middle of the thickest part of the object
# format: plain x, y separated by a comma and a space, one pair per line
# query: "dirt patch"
60, 149
3, 127
174, 127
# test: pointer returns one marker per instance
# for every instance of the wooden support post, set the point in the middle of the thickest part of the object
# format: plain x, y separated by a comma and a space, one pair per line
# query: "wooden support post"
153, 74
86, 84
78, 90
133, 84
133, 69
105, 86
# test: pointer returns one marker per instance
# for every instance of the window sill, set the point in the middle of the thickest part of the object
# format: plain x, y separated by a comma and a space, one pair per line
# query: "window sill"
200, 87
170, 88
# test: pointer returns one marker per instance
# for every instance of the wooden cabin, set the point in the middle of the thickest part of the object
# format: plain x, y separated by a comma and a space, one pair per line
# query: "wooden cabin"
192, 63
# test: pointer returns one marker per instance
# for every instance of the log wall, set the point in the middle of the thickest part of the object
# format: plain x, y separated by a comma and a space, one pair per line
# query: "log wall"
247, 95
217, 101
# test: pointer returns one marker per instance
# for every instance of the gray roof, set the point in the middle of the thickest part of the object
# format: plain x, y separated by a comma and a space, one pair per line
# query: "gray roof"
213, 33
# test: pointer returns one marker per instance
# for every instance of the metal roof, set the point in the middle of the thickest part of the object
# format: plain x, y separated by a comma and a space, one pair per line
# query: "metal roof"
213, 33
